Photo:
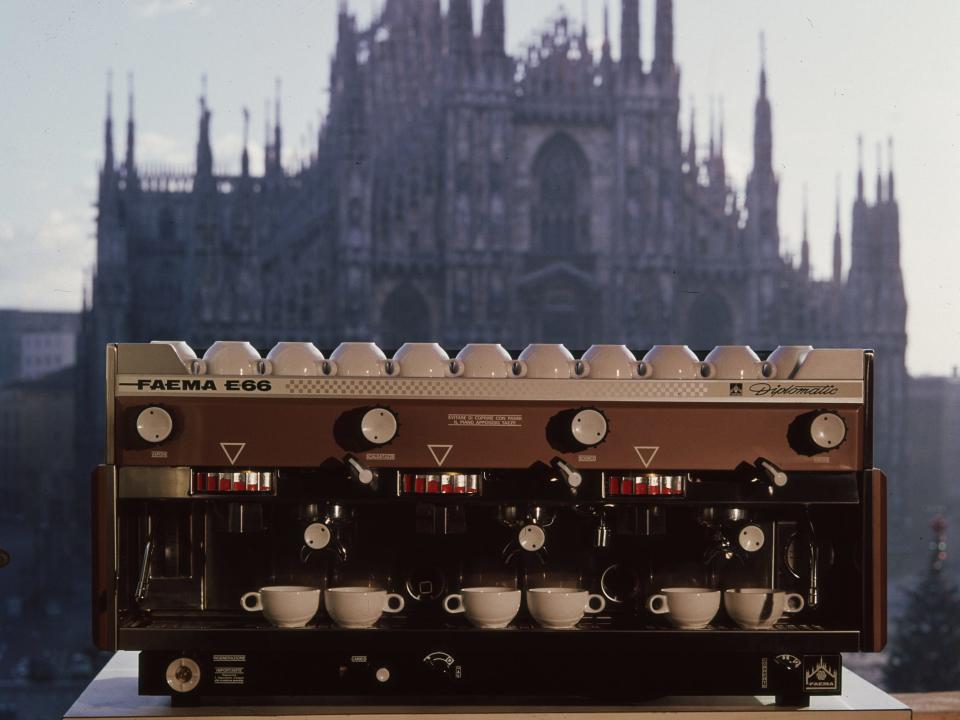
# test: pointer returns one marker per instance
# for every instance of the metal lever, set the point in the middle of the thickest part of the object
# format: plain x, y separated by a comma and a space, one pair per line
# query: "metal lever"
601, 538
572, 477
360, 472
143, 581
774, 475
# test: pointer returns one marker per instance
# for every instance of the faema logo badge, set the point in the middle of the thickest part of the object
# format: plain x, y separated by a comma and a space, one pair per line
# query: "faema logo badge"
821, 673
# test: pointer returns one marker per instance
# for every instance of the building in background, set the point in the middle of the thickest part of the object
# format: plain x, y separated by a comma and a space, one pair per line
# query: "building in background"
459, 194
933, 416
44, 526
34, 343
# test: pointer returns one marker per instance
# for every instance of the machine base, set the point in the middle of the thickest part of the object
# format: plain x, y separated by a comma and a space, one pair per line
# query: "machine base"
514, 677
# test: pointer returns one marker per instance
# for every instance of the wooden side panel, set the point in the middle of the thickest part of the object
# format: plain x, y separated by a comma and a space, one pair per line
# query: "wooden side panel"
874, 636
104, 552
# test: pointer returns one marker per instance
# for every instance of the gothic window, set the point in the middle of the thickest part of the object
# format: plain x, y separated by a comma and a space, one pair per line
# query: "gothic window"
561, 206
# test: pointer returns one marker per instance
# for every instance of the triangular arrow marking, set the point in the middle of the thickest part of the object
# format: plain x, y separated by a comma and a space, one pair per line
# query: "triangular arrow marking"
232, 451
646, 453
439, 452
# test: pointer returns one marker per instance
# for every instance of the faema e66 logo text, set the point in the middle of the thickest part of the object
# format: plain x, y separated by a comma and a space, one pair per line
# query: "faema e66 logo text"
198, 385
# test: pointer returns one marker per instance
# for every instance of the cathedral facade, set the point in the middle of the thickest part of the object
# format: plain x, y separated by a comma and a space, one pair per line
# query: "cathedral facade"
460, 194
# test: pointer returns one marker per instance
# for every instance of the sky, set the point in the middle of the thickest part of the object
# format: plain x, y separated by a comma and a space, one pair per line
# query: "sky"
836, 70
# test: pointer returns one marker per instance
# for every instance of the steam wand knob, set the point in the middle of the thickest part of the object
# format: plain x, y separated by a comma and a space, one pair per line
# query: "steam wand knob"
774, 475
361, 473
572, 477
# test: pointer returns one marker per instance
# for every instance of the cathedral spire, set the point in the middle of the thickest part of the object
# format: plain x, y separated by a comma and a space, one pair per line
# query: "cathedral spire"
663, 40
460, 34
493, 32
606, 59
805, 240
762, 129
763, 66
692, 144
713, 123
277, 131
629, 33
245, 155
721, 131
763, 188
890, 193
837, 239
266, 136
879, 175
859, 167
204, 154
108, 161
129, 163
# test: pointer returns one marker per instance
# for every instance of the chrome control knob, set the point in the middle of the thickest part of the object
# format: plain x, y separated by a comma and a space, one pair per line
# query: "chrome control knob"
827, 430
589, 427
378, 426
577, 429
183, 675
154, 424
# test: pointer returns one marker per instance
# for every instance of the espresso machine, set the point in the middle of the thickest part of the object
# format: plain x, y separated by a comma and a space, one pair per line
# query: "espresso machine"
486, 526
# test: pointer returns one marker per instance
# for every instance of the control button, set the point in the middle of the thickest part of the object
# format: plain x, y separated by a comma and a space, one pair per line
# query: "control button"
589, 427
532, 537
828, 430
183, 675
751, 538
382, 674
154, 424
378, 426
316, 536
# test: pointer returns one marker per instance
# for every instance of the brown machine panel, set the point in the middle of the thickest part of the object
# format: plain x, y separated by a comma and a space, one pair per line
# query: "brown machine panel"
286, 432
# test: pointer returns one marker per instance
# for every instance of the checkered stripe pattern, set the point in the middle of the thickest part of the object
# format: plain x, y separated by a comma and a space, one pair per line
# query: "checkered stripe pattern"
518, 389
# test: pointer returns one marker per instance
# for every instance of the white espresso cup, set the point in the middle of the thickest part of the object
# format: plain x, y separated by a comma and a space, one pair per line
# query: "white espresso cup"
670, 362
689, 608
187, 356
737, 362
759, 608
286, 606
558, 607
831, 364
787, 358
425, 360
614, 362
297, 358
360, 359
489, 360
485, 607
360, 607
545, 360
227, 357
